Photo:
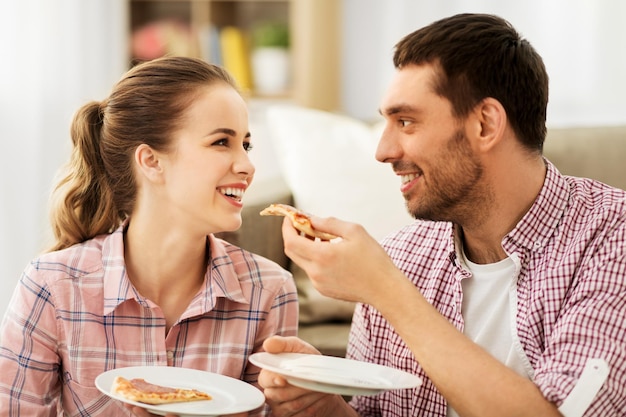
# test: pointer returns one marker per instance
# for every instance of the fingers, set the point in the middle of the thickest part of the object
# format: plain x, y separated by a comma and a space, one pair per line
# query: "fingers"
270, 380
320, 224
291, 402
142, 412
279, 344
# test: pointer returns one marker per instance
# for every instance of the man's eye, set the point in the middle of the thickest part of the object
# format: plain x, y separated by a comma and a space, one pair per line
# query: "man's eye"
404, 123
247, 146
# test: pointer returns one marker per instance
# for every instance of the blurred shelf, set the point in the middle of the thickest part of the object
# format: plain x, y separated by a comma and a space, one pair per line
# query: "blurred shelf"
196, 28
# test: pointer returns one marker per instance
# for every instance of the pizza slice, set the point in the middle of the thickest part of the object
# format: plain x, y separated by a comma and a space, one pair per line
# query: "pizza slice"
300, 220
139, 390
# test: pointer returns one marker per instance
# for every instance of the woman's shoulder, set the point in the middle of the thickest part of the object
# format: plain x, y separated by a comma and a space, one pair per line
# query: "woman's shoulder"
72, 262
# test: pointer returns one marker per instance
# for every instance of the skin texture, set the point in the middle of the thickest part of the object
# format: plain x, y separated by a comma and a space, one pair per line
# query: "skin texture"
451, 170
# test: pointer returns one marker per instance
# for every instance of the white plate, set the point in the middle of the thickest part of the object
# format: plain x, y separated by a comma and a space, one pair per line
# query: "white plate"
229, 395
335, 375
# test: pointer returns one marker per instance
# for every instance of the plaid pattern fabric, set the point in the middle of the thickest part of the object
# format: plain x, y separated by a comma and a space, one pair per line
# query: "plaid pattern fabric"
75, 314
571, 296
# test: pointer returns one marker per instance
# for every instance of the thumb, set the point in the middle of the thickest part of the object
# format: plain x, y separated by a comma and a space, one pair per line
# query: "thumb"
289, 344
336, 226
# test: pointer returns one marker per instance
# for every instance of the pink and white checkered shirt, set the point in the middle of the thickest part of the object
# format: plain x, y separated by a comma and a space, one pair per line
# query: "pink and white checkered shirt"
75, 314
571, 297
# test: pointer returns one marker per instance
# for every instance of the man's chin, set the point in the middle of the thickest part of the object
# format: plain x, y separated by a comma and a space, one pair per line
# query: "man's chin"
420, 213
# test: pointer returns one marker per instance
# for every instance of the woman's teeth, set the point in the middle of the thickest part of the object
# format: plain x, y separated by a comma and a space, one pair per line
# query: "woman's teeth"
236, 193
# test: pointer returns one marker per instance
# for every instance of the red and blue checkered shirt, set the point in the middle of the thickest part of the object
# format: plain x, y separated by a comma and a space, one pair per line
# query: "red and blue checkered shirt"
75, 314
571, 297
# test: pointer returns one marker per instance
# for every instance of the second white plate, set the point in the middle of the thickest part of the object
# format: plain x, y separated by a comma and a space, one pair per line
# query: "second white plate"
335, 375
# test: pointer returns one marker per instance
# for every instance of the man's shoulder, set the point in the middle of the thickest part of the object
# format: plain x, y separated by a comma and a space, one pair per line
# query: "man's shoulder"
595, 199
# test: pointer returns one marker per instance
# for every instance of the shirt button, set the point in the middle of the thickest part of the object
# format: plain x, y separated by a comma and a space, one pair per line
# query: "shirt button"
170, 354
537, 244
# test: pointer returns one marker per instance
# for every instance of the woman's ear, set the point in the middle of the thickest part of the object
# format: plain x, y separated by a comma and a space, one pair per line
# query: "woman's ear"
490, 118
148, 163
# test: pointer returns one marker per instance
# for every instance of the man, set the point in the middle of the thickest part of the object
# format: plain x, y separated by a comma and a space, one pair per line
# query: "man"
507, 295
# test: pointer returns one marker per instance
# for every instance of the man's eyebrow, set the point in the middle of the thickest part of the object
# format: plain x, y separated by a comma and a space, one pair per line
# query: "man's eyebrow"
401, 108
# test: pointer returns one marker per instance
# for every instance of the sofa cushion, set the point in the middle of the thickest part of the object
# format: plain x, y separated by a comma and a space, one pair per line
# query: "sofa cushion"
591, 152
315, 307
328, 162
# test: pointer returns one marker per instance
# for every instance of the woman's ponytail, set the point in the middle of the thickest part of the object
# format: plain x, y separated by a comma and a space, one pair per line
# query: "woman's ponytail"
82, 202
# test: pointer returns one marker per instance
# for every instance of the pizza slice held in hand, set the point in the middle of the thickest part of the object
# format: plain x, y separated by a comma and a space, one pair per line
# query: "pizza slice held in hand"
139, 390
300, 220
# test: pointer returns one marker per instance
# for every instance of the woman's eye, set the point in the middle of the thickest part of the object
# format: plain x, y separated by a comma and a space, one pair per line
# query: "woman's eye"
247, 146
221, 142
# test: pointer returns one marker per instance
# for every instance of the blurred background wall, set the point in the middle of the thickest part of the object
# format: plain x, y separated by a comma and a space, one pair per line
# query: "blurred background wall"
58, 54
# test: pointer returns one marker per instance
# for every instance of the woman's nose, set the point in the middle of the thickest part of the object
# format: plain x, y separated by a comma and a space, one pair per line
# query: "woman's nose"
243, 164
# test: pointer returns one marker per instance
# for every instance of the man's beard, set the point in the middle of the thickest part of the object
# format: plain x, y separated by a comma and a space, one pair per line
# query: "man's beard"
453, 192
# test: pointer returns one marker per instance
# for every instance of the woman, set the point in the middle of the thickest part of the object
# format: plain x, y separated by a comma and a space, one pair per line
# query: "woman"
136, 276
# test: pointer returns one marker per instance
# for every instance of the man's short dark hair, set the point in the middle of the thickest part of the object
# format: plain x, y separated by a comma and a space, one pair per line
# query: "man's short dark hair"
479, 56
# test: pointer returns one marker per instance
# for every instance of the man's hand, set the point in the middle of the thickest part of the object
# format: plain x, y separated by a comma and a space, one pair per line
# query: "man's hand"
353, 268
286, 400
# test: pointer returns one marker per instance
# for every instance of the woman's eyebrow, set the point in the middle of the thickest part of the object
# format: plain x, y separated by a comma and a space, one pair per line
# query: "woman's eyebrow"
224, 130
227, 131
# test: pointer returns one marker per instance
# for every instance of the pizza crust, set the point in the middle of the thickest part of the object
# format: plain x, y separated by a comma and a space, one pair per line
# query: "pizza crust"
300, 220
139, 390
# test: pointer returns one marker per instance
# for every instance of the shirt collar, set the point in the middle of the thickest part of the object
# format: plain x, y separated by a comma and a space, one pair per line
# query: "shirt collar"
221, 279
539, 223
117, 286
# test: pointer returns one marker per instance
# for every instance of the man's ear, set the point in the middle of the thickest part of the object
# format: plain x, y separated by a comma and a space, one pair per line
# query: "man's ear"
489, 123
148, 163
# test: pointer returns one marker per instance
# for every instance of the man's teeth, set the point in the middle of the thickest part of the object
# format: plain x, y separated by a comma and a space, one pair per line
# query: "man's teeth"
232, 192
407, 178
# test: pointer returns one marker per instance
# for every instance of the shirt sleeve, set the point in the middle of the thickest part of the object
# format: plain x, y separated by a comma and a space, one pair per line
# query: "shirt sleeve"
360, 349
29, 381
285, 311
591, 326
282, 320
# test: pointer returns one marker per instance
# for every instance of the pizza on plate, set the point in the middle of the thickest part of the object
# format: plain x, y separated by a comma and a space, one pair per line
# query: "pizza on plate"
139, 390
300, 220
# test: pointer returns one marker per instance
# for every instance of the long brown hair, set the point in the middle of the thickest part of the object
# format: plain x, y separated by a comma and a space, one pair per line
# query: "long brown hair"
97, 189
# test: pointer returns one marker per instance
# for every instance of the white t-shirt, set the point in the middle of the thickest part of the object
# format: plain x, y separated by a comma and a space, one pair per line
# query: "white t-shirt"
489, 313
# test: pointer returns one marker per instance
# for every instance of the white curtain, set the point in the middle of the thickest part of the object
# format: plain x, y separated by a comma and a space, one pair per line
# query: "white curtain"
56, 55
581, 42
